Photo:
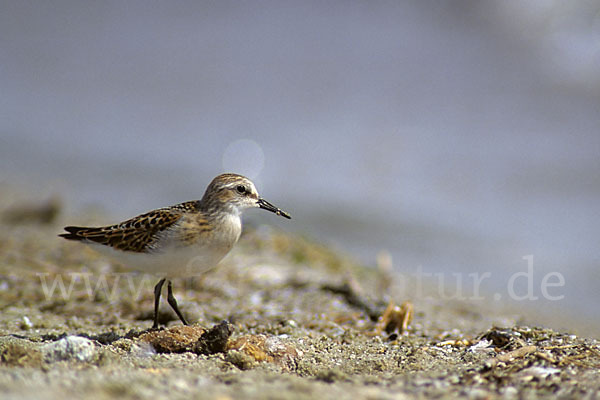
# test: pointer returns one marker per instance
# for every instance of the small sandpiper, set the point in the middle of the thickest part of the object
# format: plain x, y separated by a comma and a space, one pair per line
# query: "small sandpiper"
186, 238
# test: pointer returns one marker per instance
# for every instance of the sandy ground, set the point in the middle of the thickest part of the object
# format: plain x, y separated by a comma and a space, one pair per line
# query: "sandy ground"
302, 322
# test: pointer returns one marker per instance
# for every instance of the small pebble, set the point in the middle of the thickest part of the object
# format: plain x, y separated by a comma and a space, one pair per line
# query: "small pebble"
26, 323
70, 348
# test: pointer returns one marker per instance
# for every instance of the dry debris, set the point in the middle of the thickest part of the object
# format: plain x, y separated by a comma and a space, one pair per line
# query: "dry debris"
395, 318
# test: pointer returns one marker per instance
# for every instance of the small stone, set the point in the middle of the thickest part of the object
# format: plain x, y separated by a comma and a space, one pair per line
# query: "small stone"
270, 349
177, 339
214, 340
292, 323
70, 348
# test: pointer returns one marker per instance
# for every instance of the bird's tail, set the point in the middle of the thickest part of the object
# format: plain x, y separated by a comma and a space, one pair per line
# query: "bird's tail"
75, 233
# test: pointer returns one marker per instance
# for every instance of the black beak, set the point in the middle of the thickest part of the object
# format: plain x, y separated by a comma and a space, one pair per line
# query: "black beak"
265, 205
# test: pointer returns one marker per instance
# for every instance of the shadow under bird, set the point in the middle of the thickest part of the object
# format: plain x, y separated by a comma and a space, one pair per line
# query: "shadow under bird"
179, 240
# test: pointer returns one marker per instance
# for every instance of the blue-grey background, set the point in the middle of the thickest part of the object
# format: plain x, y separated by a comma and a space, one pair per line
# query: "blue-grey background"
460, 136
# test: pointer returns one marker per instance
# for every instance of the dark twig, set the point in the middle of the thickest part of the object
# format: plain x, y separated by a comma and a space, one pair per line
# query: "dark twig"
354, 299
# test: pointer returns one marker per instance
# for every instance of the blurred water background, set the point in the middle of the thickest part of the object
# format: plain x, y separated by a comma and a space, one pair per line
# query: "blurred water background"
459, 136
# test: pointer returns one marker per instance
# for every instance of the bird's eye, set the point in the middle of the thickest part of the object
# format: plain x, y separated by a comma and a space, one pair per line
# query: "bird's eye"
241, 189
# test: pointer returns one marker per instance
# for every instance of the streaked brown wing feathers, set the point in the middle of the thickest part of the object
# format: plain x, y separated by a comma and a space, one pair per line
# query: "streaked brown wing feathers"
137, 234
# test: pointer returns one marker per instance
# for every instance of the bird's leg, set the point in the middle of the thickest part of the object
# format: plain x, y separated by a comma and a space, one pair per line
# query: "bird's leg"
173, 303
157, 290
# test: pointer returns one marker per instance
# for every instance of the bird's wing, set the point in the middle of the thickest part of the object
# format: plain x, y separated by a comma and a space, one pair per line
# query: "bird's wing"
138, 234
